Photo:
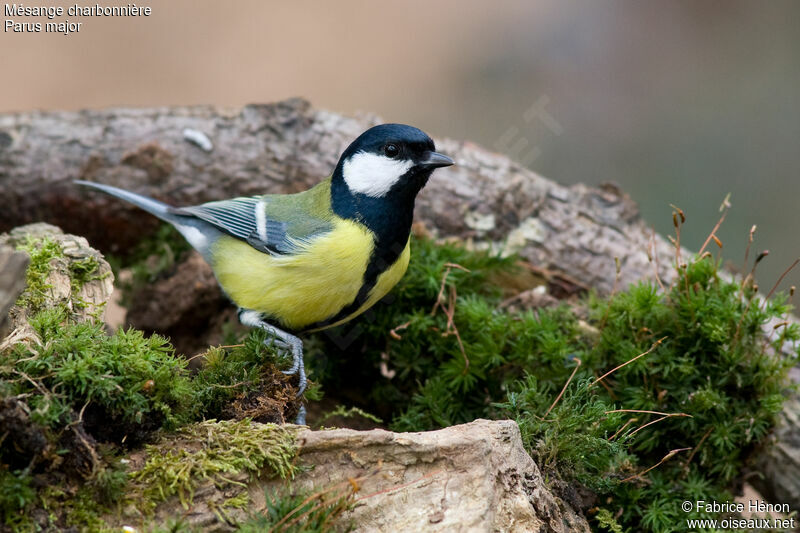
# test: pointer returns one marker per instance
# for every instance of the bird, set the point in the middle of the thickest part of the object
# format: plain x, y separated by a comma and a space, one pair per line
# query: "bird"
304, 262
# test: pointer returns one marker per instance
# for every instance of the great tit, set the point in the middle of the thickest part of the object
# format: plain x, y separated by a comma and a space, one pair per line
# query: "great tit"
304, 262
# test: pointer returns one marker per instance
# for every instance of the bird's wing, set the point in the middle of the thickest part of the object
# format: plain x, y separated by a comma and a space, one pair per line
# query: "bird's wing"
274, 224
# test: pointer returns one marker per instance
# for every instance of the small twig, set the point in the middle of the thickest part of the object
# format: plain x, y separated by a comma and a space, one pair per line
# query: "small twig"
669, 455
451, 327
654, 258
449, 311
653, 347
694, 451
713, 235
609, 390
80, 415
677, 214
620, 430
201, 354
393, 331
657, 420
749, 243
440, 296
38, 386
785, 272
639, 411
560, 394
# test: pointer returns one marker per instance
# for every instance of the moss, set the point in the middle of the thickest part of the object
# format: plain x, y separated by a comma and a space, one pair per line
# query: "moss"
441, 349
82, 271
69, 507
245, 381
290, 511
117, 381
226, 450
42, 252
240, 501
450, 352
605, 520
16, 494
227, 374
67, 389
340, 411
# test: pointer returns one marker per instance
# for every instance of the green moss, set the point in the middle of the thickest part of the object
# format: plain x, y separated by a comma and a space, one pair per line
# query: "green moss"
303, 512
227, 374
226, 450
573, 440
16, 494
605, 520
83, 271
240, 501
123, 378
427, 351
451, 352
713, 366
81, 508
42, 252
348, 412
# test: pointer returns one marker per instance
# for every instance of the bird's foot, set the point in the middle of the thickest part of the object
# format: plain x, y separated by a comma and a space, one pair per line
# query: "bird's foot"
301, 416
298, 367
284, 341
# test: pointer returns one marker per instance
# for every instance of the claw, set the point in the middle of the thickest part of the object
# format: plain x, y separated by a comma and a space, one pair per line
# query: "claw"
293, 370
282, 340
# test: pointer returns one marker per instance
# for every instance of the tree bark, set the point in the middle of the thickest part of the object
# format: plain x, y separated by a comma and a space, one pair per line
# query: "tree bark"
287, 147
12, 282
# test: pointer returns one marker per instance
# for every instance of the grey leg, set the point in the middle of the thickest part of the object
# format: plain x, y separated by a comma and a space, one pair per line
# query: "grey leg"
288, 342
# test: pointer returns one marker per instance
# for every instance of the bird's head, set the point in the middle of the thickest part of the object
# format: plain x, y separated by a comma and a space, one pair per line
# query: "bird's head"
390, 159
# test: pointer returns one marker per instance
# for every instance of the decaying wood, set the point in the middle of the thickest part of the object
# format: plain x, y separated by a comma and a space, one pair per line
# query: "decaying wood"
12, 282
776, 468
90, 300
287, 147
470, 477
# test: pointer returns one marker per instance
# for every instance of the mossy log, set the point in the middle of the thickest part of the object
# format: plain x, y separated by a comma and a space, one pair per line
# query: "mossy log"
470, 477
288, 146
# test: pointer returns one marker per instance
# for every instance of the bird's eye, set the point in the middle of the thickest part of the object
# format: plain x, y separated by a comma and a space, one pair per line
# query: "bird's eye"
391, 150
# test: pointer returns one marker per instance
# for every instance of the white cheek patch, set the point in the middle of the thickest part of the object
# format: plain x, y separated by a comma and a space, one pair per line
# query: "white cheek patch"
373, 174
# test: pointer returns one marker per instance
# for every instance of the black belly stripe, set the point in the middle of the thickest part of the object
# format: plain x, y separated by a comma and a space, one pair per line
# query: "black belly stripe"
388, 218
381, 259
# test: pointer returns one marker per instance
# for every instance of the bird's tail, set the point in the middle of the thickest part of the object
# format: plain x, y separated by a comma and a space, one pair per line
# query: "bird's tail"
197, 232
159, 209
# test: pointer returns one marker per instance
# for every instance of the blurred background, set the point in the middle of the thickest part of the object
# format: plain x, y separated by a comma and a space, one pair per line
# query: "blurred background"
679, 102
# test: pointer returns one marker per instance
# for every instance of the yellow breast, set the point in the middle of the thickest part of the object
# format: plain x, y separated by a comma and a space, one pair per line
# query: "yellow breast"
307, 287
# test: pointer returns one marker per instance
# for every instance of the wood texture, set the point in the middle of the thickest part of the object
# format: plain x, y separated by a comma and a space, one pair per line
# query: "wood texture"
287, 147
12, 282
